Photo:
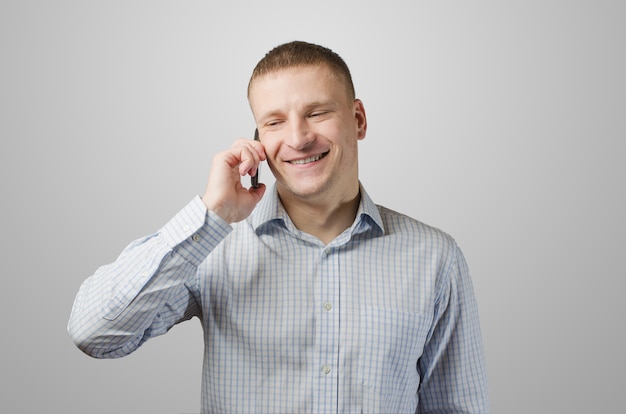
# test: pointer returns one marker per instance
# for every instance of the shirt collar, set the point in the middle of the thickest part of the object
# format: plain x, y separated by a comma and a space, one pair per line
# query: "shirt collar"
270, 212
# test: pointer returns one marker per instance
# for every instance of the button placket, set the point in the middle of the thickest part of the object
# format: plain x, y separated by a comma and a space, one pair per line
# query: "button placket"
329, 317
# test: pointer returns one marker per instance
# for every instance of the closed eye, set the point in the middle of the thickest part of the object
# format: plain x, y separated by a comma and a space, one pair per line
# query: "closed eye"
273, 123
319, 114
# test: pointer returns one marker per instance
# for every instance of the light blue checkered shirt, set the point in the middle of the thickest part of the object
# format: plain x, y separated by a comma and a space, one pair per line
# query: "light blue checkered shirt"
381, 320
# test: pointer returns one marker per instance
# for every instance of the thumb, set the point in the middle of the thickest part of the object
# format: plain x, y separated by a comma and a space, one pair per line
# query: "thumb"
257, 192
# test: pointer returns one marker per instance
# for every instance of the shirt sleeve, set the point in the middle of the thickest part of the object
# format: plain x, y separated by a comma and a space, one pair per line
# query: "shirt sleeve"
453, 364
148, 288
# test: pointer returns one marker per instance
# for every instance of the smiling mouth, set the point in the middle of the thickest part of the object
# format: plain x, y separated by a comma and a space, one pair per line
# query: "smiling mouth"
309, 159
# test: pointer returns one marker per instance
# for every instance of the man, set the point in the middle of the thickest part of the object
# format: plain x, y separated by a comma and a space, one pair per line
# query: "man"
312, 298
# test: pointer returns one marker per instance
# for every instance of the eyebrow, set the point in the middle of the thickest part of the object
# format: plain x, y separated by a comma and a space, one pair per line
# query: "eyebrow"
317, 104
308, 107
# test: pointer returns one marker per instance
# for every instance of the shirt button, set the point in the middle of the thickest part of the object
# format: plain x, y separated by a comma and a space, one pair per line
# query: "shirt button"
326, 369
327, 307
195, 237
186, 228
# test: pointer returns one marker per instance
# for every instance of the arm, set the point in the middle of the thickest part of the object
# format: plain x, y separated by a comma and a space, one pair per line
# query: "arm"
452, 365
149, 287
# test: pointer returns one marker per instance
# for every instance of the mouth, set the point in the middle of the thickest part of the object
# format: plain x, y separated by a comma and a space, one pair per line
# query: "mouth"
310, 159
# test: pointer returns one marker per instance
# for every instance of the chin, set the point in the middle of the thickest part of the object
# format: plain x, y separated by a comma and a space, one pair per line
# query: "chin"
305, 190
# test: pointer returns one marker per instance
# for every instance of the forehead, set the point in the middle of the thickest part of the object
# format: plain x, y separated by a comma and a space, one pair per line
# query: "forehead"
309, 79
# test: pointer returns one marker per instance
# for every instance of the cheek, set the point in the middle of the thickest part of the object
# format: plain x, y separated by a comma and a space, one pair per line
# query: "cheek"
330, 129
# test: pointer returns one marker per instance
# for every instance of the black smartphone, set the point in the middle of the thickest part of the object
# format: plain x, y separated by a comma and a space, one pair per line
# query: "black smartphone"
255, 178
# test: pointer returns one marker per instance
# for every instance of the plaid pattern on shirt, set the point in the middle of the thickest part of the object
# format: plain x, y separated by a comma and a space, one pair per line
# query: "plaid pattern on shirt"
382, 319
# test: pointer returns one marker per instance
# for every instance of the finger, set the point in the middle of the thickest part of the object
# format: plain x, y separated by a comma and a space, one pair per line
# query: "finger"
256, 146
249, 160
251, 153
257, 192
260, 149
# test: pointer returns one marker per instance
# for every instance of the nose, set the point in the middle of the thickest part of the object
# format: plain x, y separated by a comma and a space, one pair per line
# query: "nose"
299, 135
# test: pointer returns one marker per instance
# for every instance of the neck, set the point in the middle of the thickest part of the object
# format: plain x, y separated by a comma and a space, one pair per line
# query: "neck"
322, 219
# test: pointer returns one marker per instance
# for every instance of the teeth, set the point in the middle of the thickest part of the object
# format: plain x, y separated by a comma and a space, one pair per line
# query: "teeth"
308, 160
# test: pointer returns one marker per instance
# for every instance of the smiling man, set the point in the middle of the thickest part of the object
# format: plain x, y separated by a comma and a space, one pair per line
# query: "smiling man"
309, 125
312, 298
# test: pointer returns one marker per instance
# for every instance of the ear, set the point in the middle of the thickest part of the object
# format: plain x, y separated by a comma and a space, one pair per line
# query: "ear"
360, 118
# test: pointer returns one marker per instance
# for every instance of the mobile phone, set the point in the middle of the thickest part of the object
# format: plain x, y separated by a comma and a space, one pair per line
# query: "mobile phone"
254, 180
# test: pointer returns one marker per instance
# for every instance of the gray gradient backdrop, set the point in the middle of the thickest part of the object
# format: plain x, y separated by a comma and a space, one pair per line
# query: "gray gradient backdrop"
501, 122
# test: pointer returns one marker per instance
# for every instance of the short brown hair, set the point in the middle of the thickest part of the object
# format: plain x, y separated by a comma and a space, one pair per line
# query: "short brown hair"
298, 53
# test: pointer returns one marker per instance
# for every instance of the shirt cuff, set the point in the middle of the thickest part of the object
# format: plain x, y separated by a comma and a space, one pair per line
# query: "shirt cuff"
195, 231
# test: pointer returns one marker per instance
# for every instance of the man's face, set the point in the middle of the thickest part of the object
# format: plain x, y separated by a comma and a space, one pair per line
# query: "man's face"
309, 127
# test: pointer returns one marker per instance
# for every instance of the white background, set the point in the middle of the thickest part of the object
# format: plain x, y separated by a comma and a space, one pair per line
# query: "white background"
501, 122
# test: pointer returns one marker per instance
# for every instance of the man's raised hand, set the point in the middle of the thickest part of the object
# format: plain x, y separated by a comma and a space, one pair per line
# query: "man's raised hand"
224, 193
